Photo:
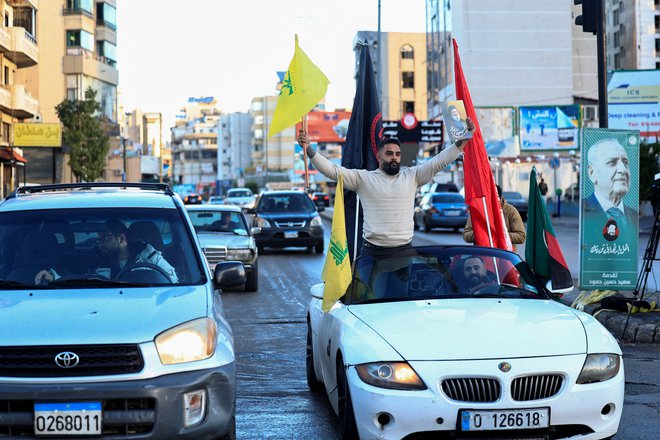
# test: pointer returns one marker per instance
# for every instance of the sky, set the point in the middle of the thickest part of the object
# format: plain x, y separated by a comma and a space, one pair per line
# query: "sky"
171, 50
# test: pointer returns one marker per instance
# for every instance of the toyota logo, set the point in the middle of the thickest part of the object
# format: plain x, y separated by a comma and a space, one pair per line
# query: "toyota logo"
67, 359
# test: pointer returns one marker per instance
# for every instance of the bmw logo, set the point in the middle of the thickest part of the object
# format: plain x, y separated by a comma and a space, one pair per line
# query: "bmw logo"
504, 367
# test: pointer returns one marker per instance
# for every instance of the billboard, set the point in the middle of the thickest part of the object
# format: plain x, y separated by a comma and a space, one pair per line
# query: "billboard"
37, 135
421, 131
609, 209
549, 127
327, 127
634, 102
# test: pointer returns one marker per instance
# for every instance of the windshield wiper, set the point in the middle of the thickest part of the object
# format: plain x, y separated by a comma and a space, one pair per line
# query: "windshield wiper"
385, 300
6, 284
94, 282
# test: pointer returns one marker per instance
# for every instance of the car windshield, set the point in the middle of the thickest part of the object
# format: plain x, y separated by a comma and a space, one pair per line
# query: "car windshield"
426, 273
509, 195
103, 247
218, 221
239, 193
448, 198
286, 203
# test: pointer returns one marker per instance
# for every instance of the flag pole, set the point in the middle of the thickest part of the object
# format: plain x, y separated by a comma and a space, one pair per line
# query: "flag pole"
304, 127
490, 238
357, 218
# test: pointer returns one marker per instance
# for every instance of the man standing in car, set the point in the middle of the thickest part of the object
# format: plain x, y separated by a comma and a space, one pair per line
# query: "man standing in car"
387, 194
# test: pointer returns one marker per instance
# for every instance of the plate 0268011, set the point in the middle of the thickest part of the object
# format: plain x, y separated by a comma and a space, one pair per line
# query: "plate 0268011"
76, 418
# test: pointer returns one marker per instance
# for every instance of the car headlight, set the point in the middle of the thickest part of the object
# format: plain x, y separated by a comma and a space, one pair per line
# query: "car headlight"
599, 368
239, 254
392, 375
316, 221
263, 223
188, 342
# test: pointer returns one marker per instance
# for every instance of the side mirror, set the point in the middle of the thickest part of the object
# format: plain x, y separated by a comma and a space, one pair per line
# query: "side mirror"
251, 211
256, 230
317, 291
228, 274
320, 208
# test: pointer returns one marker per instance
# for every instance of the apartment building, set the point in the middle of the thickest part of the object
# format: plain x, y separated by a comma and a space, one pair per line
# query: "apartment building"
234, 147
18, 52
402, 77
274, 154
78, 50
633, 34
194, 143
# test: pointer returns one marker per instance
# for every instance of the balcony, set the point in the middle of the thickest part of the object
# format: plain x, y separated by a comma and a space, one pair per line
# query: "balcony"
80, 61
105, 33
16, 101
5, 100
5, 41
24, 51
34, 4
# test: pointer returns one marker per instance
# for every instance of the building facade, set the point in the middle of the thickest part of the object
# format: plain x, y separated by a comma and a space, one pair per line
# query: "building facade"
633, 34
18, 103
194, 144
274, 154
79, 51
234, 147
402, 79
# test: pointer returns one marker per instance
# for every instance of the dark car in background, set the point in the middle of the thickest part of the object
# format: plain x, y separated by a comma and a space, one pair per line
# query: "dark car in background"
288, 219
516, 200
321, 199
441, 210
193, 199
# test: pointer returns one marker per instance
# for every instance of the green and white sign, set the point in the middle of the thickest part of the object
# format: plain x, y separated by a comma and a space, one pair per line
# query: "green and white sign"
609, 209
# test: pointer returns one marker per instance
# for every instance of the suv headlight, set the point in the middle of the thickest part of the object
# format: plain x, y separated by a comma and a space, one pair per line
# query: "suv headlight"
239, 254
392, 375
263, 223
188, 342
599, 368
316, 221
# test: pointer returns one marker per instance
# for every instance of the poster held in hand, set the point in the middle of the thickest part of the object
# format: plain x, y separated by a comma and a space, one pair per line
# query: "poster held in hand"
455, 119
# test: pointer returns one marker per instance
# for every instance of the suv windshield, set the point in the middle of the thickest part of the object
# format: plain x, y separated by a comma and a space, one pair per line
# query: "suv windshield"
103, 247
286, 203
442, 272
239, 193
217, 221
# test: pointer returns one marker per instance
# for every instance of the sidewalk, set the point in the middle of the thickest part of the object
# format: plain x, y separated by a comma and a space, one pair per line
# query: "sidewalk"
642, 327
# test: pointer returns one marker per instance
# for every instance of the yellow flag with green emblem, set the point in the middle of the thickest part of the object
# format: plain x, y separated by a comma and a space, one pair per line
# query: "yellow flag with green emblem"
337, 268
303, 86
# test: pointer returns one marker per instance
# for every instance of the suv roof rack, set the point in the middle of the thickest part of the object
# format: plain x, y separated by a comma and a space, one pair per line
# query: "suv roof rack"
164, 187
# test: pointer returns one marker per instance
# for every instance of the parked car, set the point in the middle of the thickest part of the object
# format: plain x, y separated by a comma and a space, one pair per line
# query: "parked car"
321, 199
224, 235
420, 346
441, 210
516, 200
193, 199
93, 347
242, 197
216, 200
288, 218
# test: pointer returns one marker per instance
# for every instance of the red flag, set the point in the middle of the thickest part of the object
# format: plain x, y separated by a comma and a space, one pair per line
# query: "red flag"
480, 192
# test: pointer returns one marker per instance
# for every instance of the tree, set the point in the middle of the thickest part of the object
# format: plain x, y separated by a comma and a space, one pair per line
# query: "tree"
83, 133
648, 168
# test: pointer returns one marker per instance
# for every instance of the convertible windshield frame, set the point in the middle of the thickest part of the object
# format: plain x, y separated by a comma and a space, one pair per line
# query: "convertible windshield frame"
437, 272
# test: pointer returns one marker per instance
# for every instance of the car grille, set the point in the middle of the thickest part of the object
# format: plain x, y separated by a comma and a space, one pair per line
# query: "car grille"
121, 417
291, 224
472, 389
528, 388
95, 360
215, 255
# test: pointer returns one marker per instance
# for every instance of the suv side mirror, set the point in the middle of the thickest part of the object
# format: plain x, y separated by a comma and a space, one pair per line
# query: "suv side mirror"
228, 274
255, 230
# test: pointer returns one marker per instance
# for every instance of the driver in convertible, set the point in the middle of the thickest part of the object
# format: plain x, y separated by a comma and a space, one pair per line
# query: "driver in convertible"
475, 274
120, 252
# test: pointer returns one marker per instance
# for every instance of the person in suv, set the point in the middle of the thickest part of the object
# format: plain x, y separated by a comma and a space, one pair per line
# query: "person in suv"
142, 349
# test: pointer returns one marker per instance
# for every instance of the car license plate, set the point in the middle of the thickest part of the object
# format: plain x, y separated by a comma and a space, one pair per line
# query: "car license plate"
80, 418
492, 420
453, 213
290, 234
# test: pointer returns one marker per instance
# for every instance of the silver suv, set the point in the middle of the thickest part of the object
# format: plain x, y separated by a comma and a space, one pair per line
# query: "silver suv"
110, 322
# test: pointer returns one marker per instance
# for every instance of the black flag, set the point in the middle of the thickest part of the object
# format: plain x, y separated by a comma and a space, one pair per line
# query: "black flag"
365, 129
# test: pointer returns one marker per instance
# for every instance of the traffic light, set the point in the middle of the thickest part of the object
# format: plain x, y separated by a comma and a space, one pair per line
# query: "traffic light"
589, 18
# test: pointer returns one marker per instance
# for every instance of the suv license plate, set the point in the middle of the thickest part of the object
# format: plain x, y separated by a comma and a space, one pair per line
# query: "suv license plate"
81, 418
290, 234
492, 420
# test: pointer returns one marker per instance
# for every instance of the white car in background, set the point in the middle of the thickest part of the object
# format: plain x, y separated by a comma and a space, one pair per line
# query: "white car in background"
241, 197
417, 350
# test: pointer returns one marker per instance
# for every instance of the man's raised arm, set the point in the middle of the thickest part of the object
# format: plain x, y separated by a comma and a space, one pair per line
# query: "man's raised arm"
327, 168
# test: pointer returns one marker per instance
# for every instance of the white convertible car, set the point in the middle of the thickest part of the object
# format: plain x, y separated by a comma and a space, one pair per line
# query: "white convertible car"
461, 342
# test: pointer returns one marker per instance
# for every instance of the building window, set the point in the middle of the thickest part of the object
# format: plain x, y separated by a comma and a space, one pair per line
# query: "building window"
616, 39
657, 64
617, 61
80, 5
6, 132
6, 19
106, 15
408, 80
80, 38
657, 23
408, 107
657, 45
108, 51
407, 52
6, 77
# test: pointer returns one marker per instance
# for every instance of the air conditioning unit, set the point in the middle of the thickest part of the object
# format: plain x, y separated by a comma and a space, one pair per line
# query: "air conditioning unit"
590, 113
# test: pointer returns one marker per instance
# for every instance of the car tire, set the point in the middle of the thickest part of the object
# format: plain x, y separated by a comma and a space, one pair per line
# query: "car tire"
346, 427
231, 431
312, 382
260, 248
415, 225
427, 226
318, 248
252, 281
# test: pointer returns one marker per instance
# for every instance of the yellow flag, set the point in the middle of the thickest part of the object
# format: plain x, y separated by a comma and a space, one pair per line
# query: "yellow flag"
337, 268
304, 85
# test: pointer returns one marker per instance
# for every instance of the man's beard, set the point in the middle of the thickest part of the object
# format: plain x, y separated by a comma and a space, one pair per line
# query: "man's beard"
391, 168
